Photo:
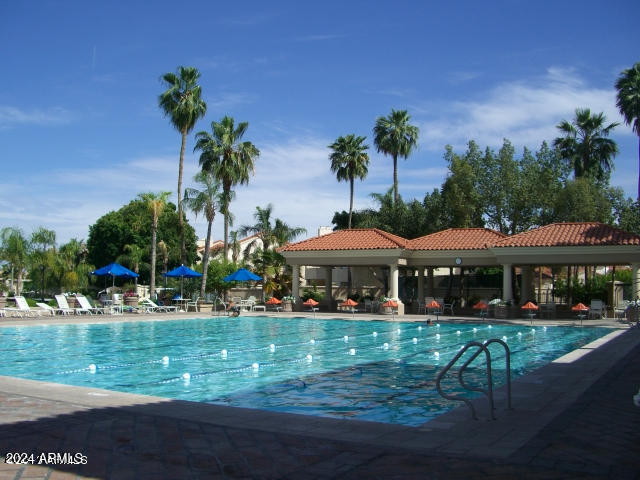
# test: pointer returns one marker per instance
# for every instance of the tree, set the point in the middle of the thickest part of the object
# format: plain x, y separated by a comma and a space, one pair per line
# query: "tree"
395, 136
155, 203
230, 160
133, 258
14, 249
628, 102
42, 241
205, 201
349, 161
182, 103
132, 224
585, 145
270, 235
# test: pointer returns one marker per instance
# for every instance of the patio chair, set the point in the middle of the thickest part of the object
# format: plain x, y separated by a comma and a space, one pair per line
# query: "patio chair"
85, 305
63, 305
192, 303
597, 309
22, 308
445, 306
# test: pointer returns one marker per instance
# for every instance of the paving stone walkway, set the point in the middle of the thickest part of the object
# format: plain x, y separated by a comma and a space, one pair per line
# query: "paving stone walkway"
597, 436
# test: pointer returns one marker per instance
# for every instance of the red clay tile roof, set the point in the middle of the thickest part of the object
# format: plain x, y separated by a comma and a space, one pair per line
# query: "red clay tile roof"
458, 239
354, 239
571, 234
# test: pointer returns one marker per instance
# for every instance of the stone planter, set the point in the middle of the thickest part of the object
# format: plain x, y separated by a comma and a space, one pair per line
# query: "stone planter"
72, 302
287, 306
131, 301
205, 307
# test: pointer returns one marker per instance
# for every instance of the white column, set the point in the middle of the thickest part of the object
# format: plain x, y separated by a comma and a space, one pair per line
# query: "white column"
295, 281
635, 280
393, 279
507, 293
420, 284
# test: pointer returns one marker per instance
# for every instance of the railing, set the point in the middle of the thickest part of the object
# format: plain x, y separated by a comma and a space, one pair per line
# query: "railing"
482, 347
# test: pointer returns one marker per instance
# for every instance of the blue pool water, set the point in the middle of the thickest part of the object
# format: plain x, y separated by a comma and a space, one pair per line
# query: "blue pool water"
370, 370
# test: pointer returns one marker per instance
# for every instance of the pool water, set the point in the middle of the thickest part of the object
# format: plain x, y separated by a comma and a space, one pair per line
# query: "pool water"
371, 370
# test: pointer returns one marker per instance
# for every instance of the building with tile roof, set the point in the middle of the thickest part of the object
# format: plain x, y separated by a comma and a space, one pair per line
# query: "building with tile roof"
576, 243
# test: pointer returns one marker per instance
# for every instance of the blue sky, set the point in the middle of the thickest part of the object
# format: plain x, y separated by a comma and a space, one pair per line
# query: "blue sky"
81, 132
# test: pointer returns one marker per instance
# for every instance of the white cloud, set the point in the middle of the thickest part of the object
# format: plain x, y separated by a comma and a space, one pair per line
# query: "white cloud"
526, 112
10, 116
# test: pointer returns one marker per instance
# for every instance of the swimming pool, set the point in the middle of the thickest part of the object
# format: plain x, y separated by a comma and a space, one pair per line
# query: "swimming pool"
370, 370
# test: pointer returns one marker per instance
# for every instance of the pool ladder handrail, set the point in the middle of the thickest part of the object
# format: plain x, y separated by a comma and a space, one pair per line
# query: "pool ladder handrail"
482, 347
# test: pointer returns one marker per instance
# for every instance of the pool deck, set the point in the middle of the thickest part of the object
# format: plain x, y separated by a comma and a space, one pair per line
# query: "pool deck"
573, 418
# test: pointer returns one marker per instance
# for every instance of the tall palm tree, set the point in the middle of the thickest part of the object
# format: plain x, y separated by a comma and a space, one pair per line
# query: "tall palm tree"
182, 103
14, 249
585, 145
395, 136
43, 242
204, 201
164, 253
628, 102
270, 235
155, 203
349, 161
133, 258
229, 160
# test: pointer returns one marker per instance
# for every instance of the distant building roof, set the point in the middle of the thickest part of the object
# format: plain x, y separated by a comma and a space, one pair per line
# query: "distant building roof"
571, 234
458, 239
354, 239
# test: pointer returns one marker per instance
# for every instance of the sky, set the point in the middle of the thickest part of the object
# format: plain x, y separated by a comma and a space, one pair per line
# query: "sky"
81, 133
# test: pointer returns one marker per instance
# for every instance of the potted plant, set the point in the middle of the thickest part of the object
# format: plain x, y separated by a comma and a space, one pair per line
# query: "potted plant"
287, 303
502, 308
3, 299
131, 298
385, 310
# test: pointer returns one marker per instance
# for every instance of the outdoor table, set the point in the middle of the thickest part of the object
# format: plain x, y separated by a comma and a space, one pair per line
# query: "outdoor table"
581, 316
181, 303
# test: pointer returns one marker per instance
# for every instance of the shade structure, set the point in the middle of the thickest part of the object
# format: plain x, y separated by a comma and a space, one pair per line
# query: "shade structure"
433, 304
580, 307
242, 275
273, 301
115, 270
182, 272
310, 303
480, 306
390, 303
529, 306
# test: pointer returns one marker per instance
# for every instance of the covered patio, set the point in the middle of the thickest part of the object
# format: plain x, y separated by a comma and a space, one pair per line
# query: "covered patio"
559, 244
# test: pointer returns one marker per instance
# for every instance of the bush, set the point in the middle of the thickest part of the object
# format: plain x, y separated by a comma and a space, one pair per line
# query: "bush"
308, 293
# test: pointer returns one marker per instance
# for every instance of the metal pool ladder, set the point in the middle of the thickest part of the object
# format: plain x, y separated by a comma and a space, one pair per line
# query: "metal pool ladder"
481, 347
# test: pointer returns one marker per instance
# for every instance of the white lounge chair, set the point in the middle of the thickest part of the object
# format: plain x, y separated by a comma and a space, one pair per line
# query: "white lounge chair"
85, 305
149, 306
46, 308
61, 300
22, 308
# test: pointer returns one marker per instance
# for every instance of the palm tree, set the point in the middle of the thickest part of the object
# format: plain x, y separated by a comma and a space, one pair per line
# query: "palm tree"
164, 253
395, 136
585, 145
628, 102
155, 204
206, 200
182, 103
14, 249
43, 242
349, 161
270, 235
133, 258
229, 159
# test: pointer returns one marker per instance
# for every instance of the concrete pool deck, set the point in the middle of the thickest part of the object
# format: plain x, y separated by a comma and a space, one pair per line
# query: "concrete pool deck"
571, 418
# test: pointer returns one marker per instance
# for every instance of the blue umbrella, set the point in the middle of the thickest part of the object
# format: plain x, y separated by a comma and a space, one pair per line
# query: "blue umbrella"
242, 275
115, 270
182, 272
